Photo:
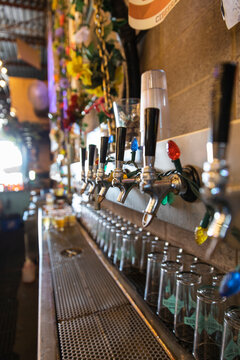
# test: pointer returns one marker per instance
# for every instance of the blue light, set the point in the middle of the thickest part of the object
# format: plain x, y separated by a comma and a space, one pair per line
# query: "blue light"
134, 145
230, 284
110, 140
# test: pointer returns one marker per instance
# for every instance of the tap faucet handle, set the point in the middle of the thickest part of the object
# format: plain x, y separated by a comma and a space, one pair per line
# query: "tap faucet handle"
151, 117
83, 157
103, 149
120, 145
91, 153
95, 160
221, 101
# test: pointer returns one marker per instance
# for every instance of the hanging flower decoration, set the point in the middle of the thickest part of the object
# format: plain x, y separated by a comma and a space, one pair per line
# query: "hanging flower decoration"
75, 111
78, 64
79, 70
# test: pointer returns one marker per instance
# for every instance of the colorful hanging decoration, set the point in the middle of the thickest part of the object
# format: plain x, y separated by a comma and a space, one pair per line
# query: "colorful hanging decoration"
80, 49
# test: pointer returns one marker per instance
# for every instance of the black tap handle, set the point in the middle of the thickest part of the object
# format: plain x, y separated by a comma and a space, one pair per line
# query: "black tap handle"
222, 101
103, 149
91, 152
83, 157
151, 117
120, 146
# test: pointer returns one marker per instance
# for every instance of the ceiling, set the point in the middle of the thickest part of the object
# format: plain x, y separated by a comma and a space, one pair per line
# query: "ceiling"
25, 20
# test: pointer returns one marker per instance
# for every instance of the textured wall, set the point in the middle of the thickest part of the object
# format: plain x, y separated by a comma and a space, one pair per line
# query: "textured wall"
187, 45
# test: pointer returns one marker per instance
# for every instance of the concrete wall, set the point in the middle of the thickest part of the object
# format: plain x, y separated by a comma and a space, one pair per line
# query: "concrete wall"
187, 45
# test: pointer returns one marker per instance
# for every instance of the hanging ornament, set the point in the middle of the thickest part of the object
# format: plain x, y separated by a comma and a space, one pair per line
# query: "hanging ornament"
230, 284
174, 153
200, 232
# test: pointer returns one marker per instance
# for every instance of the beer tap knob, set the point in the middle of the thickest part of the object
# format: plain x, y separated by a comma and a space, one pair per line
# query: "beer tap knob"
92, 180
103, 181
120, 148
82, 160
91, 154
103, 150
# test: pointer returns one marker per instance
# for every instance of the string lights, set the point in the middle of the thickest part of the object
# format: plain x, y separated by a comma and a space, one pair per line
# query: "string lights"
3, 75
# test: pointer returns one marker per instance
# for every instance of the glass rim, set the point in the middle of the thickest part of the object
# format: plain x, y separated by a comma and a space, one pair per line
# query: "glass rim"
210, 294
229, 316
194, 278
170, 265
208, 267
155, 255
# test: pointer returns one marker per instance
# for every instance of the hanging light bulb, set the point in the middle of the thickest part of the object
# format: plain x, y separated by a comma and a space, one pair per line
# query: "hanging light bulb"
174, 153
4, 70
1, 62
134, 145
173, 150
230, 284
2, 83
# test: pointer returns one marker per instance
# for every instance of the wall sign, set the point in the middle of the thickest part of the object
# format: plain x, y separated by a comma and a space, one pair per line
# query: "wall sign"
145, 14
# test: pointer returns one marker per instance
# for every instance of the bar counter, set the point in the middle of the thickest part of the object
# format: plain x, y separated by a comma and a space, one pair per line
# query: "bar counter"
88, 310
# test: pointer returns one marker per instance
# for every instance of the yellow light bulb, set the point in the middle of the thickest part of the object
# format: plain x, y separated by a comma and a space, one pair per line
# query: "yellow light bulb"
200, 235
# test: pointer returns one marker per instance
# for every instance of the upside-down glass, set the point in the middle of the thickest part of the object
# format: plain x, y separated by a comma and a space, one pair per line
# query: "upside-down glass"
209, 323
186, 302
154, 94
112, 239
128, 253
100, 228
127, 116
158, 245
154, 263
205, 270
118, 245
145, 250
172, 252
167, 291
231, 334
187, 260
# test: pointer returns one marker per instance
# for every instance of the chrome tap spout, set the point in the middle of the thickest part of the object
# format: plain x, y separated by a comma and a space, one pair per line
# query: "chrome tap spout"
216, 192
158, 190
105, 185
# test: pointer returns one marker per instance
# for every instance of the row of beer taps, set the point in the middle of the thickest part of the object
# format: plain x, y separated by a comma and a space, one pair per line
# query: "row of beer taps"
221, 199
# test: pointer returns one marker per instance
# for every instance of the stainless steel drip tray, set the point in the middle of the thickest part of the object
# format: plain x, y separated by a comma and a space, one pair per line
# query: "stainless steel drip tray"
96, 316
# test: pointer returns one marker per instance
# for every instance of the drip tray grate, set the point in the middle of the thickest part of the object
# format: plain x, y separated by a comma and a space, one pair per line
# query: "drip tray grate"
113, 334
95, 319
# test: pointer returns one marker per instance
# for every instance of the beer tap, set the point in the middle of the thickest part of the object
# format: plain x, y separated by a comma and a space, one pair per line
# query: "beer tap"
176, 182
102, 180
94, 173
83, 179
91, 169
120, 179
217, 193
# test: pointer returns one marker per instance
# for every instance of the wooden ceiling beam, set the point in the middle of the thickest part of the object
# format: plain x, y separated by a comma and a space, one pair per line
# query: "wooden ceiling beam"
23, 63
28, 6
35, 40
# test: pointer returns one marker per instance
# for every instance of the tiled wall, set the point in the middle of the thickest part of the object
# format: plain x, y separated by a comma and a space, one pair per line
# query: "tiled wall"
187, 45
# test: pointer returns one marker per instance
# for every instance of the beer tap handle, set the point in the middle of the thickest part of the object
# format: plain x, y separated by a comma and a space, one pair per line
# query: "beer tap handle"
83, 157
221, 107
151, 117
103, 149
91, 152
120, 145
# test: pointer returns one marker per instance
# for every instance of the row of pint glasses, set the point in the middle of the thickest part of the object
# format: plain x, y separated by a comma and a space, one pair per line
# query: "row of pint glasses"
185, 293
183, 290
